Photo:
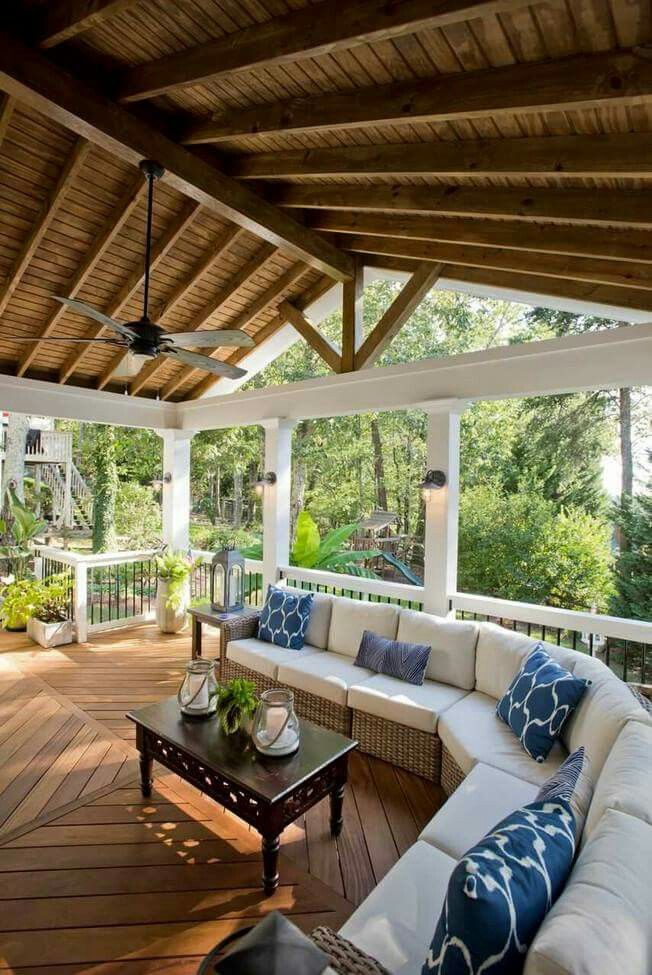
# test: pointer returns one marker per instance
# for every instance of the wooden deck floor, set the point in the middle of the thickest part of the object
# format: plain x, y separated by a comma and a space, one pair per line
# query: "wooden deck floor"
94, 879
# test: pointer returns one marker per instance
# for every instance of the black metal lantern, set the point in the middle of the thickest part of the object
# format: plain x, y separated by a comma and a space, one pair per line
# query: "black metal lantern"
227, 581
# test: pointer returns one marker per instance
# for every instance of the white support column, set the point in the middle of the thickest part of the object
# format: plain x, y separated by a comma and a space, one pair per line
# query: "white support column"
441, 515
276, 498
81, 601
176, 488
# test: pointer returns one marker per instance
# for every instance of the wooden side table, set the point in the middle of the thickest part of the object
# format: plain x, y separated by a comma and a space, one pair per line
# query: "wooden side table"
204, 615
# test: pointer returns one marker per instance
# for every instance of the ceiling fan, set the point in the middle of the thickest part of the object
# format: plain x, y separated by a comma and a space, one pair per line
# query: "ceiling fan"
144, 339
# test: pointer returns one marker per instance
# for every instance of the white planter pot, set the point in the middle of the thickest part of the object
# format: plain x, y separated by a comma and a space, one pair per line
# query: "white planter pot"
50, 634
171, 620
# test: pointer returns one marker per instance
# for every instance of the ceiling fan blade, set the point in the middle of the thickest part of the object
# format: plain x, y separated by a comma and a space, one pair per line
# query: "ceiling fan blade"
58, 338
81, 308
204, 362
205, 339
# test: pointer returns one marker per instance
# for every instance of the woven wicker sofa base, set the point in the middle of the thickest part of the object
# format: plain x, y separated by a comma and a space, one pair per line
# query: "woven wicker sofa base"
451, 774
411, 749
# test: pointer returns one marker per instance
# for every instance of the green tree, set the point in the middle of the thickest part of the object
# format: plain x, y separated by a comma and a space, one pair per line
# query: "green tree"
137, 516
633, 577
105, 489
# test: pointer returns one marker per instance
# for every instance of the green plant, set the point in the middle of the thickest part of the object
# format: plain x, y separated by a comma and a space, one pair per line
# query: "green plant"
19, 599
137, 516
18, 528
53, 599
236, 701
174, 568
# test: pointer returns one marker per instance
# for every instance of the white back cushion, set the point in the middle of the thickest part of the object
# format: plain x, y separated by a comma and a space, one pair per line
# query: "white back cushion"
320, 618
452, 659
351, 617
501, 652
602, 713
625, 782
600, 925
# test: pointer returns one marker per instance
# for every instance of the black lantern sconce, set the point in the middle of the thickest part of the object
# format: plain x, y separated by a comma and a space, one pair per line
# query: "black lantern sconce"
227, 581
268, 478
433, 481
158, 482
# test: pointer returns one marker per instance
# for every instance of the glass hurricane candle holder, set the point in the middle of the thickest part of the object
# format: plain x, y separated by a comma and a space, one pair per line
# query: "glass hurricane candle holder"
276, 726
197, 694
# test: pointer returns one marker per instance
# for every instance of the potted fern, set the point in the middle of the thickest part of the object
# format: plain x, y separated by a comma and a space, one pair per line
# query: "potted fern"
173, 590
236, 705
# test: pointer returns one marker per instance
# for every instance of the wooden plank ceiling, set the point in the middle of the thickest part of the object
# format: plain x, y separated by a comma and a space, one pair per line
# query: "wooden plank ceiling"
496, 141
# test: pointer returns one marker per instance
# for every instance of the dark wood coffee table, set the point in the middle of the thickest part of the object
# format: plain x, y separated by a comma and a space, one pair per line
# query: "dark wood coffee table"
268, 793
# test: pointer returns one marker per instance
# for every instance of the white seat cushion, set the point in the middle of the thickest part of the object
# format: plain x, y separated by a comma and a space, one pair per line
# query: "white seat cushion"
473, 733
452, 658
264, 657
351, 617
485, 797
605, 708
329, 675
417, 706
396, 922
500, 653
600, 925
625, 782
320, 618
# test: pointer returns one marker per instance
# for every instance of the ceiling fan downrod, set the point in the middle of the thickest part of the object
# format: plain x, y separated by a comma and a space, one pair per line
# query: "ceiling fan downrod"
152, 171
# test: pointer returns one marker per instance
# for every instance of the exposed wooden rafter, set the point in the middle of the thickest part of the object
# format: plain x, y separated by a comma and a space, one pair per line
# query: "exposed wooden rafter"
159, 314
240, 278
404, 305
6, 111
64, 19
623, 274
44, 86
322, 29
624, 245
581, 81
560, 156
352, 315
315, 338
160, 248
103, 241
72, 166
625, 208
312, 294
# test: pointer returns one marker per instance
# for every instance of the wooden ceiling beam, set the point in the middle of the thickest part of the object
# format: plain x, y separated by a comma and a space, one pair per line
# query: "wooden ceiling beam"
623, 245
573, 156
112, 227
312, 294
631, 208
352, 317
7, 105
402, 308
159, 250
201, 319
42, 85
47, 213
578, 82
614, 274
322, 29
315, 338
64, 19
159, 314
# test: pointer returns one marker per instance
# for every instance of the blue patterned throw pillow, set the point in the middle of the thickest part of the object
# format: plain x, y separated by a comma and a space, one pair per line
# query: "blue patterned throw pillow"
500, 892
406, 661
538, 701
572, 782
285, 617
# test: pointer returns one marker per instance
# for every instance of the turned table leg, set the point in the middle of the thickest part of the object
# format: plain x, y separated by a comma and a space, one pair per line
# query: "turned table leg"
145, 763
271, 846
196, 638
337, 804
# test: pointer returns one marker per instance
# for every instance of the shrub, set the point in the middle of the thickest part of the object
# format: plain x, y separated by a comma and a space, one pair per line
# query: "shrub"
137, 516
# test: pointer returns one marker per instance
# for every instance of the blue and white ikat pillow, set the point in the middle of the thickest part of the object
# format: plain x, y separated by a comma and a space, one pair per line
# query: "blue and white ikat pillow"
500, 892
538, 702
284, 618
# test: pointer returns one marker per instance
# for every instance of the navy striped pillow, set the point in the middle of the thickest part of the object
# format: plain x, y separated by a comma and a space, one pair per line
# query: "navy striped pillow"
405, 661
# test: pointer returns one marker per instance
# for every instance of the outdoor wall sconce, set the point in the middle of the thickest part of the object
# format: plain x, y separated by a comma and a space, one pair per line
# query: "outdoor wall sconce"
433, 481
160, 481
268, 478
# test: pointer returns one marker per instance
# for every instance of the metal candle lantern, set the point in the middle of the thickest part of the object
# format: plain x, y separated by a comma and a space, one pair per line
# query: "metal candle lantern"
276, 726
196, 696
227, 581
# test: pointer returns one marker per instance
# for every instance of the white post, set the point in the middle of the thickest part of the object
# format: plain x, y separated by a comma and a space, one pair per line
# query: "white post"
81, 600
440, 551
176, 487
276, 498
68, 521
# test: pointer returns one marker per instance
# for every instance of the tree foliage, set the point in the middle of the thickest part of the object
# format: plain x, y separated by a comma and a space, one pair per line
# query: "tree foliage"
633, 580
105, 489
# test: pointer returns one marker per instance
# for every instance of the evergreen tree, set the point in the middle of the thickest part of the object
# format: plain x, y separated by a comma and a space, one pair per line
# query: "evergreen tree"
633, 576
105, 489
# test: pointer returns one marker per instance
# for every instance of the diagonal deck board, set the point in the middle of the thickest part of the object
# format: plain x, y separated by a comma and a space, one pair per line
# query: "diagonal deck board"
125, 886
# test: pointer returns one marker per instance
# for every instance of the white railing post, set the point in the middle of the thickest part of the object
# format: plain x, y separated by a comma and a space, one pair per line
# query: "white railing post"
176, 489
81, 601
442, 509
276, 498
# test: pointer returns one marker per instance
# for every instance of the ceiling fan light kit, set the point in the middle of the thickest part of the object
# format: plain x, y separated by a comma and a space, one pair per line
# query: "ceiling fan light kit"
143, 339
